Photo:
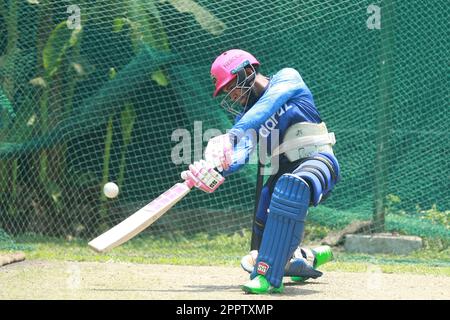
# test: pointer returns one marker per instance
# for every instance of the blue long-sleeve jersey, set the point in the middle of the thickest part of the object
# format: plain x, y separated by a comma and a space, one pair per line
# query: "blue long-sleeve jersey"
286, 101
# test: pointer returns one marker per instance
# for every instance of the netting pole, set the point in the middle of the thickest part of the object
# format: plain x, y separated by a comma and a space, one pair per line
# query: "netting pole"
383, 118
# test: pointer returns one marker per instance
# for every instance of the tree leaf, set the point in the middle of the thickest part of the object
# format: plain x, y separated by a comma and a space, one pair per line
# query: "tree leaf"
127, 118
206, 19
38, 82
118, 24
112, 73
146, 25
160, 78
60, 39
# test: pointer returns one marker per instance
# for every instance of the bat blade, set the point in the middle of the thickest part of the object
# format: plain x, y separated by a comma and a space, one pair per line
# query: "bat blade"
140, 220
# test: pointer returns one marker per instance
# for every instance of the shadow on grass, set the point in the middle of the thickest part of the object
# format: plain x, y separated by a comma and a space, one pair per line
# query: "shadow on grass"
292, 290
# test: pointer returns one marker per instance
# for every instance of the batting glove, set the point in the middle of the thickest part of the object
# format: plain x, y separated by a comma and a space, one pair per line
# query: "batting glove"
203, 176
219, 152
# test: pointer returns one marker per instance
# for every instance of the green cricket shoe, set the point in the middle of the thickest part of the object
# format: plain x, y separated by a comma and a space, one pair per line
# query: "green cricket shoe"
260, 285
322, 255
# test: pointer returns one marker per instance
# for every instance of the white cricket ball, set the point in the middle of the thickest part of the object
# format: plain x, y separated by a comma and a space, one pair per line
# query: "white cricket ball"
111, 190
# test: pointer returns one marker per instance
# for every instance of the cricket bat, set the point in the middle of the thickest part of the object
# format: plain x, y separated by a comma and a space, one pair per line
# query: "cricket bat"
141, 219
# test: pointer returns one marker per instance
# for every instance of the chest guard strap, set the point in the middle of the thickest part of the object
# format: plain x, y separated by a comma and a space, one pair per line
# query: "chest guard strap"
304, 139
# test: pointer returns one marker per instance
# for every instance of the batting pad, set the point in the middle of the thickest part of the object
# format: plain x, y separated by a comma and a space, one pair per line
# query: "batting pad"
284, 227
322, 173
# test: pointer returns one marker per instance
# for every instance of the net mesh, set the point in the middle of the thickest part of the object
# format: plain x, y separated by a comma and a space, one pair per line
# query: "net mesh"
99, 91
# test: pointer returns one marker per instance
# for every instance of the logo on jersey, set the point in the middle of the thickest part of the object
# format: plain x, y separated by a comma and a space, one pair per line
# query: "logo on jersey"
272, 122
262, 268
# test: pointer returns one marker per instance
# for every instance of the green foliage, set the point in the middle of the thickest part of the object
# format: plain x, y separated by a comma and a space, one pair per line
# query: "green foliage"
127, 119
146, 27
160, 78
105, 171
146, 24
419, 221
46, 77
60, 40
7, 113
206, 249
206, 19
315, 232
8, 244
435, 216
393, 204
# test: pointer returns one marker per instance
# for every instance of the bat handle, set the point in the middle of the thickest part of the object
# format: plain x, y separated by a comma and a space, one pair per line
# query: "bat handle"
188, 182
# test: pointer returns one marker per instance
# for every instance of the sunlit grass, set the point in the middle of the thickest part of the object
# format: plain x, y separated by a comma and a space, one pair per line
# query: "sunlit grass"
224, 250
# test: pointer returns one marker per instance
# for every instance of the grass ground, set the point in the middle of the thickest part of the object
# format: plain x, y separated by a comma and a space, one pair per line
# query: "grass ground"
37, 279
207, 267
226, 250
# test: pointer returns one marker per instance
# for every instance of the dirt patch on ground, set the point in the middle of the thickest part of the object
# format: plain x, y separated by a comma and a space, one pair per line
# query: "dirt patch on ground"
90, 280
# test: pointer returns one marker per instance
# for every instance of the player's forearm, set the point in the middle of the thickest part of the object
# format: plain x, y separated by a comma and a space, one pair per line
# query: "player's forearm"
241, 154
238, 162
235, 167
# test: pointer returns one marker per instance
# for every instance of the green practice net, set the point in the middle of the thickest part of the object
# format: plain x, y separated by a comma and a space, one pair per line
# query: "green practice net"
99, 91
6, 242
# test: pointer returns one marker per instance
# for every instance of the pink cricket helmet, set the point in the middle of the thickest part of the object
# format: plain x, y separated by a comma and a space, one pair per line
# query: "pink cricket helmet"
222, 68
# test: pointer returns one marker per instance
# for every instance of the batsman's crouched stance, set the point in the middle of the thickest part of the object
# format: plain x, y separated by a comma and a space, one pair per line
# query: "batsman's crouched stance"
282, 106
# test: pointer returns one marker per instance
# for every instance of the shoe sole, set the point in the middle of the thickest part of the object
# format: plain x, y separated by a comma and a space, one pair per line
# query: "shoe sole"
270, 291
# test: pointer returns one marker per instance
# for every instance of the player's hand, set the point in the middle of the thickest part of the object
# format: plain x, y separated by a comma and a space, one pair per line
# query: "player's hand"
219, 152
203, 176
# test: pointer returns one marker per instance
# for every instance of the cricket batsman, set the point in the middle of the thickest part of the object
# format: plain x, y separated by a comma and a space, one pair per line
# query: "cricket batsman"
280, 107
